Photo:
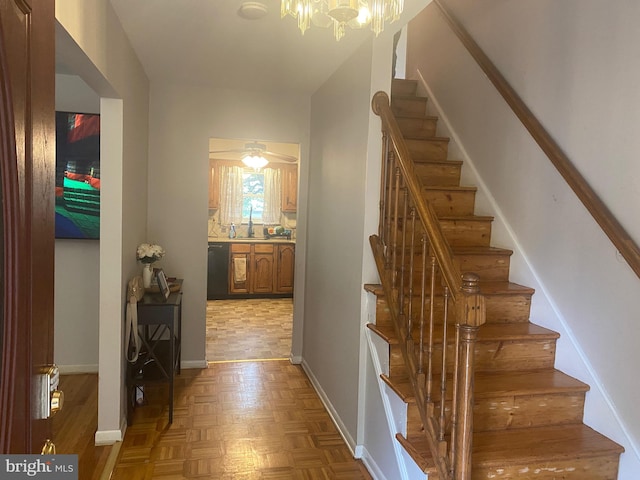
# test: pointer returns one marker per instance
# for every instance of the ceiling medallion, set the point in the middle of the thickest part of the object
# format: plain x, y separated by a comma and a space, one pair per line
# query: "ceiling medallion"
342, 14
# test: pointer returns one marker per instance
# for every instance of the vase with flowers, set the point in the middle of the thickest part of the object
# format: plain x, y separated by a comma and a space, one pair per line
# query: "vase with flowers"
148, 254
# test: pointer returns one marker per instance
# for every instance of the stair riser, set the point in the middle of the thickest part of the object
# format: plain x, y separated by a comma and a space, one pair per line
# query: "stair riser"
409, 106
445, 202
403, 87
490, 356
499, 309
418, 127
503, 413
487, 267
458, 232
439, 174
428, 149
451, 203
579, 468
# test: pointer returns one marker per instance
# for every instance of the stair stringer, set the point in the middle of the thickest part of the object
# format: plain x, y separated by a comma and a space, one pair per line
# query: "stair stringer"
599, 410
395, 409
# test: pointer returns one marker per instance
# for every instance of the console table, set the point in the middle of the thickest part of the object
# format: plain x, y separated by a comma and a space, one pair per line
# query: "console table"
160, 327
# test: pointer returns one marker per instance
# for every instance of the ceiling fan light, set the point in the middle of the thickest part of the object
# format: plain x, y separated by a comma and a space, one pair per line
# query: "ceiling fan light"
254, 161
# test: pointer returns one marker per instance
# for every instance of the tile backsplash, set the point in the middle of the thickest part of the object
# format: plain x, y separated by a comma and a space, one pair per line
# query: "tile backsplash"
287, 220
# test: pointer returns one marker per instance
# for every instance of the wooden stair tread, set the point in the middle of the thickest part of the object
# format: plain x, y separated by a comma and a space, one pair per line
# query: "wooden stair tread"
529, 445
416, 115
488, 332
480, 250
427, 139
486, 288
418, 449
439, 162
450, 188
502, 384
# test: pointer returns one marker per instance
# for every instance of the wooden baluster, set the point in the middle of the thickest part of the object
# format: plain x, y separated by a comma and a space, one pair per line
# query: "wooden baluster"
423, 297
432, 294
403, 253
412, 254
454, 403
443, 379
471, 315
383, 187
394, 252
392, 168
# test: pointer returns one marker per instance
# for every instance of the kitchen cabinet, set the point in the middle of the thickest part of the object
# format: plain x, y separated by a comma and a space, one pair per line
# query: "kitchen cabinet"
214, 185
251, 268
289, 188
261, 269
284, 268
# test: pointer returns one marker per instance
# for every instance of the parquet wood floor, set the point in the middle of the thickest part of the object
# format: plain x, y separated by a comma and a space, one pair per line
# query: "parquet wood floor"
249, 329
249, 420
74, 427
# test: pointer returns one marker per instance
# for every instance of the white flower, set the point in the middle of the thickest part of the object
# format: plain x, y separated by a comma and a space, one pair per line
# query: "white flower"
149, 252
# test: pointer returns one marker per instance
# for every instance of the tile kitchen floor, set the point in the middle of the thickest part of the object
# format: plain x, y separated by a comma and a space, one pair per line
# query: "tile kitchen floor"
250, 329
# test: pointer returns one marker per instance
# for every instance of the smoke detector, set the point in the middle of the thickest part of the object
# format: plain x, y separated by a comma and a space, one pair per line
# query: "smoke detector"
252, 10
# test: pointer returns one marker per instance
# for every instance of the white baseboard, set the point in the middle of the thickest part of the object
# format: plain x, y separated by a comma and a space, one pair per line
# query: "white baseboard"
295, 359
74, 369
108, 437
371, 465
351, 444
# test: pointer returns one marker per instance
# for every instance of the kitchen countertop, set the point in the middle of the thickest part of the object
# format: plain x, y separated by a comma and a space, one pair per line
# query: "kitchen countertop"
250, 240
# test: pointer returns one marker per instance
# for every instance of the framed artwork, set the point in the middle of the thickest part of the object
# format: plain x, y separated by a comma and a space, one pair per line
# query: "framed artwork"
163, 285
77, 180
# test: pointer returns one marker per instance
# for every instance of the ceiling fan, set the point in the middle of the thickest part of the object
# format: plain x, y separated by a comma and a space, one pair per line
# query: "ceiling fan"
256, 155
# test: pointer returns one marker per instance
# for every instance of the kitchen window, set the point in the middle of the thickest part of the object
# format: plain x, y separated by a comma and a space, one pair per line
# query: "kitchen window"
245, 191
252, 196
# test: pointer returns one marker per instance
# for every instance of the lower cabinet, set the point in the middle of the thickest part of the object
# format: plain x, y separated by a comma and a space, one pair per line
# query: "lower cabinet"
284, 265
261, 268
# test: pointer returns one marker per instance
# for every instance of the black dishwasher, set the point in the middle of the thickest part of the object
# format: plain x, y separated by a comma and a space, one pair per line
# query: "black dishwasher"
218, 271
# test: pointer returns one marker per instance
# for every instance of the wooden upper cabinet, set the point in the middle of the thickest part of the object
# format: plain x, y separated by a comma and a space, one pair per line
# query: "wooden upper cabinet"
214, 185
290, 188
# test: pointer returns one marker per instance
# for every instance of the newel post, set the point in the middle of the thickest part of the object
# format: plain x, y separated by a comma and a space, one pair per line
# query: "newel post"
471, 315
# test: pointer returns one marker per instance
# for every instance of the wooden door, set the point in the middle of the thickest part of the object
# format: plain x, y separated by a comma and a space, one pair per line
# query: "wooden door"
27, 169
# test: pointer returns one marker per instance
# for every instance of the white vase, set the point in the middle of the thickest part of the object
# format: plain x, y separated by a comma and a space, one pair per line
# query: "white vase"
147, 274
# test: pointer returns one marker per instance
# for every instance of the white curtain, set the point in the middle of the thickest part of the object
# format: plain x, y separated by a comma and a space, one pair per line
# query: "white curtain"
230, 195
272, 196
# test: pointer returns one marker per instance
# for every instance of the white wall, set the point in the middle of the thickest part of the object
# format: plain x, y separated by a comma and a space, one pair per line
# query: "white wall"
77, 262
574, 64
92, 43
182, 119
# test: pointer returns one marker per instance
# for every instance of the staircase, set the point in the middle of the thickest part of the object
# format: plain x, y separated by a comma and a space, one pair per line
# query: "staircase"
527, 416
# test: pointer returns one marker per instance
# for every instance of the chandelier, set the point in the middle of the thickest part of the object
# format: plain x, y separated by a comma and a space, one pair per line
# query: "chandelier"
342, 13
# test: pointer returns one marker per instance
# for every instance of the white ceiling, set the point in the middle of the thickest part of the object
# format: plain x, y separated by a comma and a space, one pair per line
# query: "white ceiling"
205, 42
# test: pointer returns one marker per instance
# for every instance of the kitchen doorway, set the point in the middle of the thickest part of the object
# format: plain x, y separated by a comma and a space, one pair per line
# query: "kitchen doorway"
249, 329
251, 250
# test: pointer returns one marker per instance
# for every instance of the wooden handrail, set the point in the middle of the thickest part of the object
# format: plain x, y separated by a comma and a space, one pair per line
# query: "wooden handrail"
404, 209
601, 214
450, 272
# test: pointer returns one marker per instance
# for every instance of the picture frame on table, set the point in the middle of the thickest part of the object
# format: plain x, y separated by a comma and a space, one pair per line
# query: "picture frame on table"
163, 285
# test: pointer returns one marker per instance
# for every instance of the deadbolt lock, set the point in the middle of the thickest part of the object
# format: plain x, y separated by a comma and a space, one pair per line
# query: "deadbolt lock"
49, 400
